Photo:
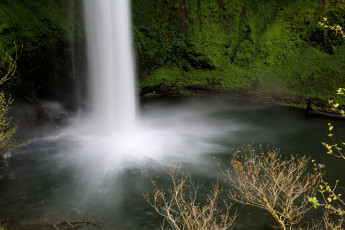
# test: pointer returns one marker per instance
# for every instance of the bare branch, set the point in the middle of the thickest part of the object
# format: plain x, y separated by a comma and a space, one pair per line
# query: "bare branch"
72, 224
269, 181
180, 208
8, 65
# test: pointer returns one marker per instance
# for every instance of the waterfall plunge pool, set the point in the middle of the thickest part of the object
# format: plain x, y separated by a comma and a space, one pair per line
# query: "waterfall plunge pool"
77, 175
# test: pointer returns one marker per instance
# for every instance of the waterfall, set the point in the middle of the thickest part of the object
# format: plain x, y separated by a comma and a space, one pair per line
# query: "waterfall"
111, 65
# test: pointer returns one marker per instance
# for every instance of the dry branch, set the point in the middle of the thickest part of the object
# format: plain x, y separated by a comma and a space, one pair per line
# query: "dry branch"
180, 208
269, 181
8, 65
68, 224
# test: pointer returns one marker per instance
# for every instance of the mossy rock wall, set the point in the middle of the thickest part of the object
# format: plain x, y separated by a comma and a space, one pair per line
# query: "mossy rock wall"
256, 45
47, 30
260, 45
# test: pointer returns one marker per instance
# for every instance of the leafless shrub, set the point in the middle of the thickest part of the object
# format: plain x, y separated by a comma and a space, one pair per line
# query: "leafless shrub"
180, 208
271, 182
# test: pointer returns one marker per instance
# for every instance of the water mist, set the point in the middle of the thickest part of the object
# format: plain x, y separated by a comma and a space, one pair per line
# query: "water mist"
99, 167
115, 138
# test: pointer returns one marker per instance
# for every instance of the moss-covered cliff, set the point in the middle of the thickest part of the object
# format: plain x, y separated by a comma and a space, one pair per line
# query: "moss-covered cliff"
47, 30
256, 45
260, 45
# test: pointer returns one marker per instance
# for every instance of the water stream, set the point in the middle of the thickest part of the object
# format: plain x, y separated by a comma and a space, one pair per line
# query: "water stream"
111, 65
99, 168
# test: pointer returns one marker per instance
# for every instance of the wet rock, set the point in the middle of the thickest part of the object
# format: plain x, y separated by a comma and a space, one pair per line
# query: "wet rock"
2, 167
34, 119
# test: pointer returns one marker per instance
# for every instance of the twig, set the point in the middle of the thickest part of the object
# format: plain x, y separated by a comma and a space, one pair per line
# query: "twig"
73, 224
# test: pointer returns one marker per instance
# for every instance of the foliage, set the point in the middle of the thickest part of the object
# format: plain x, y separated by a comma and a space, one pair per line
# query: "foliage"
333, 148
336, 28
269, 181
274, 46
6, 128
181, 209
8, 67
47, 29
331, 200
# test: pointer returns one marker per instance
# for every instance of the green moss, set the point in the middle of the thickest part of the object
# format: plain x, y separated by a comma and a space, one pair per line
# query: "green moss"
259, 45
162, 75
46, 29
232, 78
269, 46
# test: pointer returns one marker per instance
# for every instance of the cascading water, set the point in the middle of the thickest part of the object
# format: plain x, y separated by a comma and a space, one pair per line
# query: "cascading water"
111, 140
111, 65
100, 169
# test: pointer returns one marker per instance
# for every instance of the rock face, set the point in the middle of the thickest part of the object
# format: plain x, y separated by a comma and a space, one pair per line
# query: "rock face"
2, 167
270, 46
47, 35
267, 46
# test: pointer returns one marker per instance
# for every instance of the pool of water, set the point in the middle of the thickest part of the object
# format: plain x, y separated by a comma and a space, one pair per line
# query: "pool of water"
76, 174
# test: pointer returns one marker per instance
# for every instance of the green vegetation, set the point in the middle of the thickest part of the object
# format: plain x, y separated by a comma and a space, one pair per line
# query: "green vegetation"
8, 67
331, 200
6, 128
46, 30
276, 46
227, 45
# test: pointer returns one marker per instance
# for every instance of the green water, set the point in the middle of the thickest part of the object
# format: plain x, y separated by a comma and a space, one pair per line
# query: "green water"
74, 176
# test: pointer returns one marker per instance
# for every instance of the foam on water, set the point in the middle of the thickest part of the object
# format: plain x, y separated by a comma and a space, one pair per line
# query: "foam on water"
164, 134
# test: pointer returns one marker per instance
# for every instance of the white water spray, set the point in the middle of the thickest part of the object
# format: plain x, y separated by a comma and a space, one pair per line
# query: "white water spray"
112, 141
111, 65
